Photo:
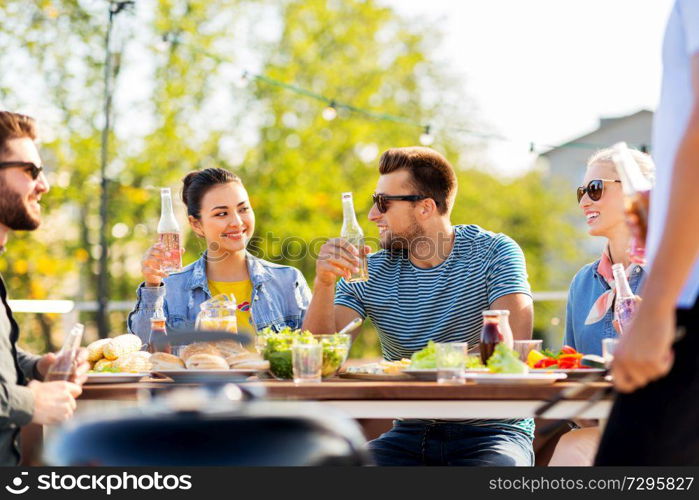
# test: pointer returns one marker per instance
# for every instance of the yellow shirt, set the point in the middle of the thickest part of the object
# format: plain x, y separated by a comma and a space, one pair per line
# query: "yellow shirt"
242, 291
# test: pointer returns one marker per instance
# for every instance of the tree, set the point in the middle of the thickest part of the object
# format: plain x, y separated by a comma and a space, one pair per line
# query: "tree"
178, 108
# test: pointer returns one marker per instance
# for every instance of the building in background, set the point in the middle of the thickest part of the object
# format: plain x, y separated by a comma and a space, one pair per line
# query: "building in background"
566, 163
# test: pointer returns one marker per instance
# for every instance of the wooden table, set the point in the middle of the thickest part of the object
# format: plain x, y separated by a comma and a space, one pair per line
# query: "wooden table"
381, 400
373, 404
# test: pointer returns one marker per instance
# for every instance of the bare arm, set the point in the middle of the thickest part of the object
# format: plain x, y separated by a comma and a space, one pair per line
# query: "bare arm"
679, 247
323, 316
337, 258
521, 313
645, 351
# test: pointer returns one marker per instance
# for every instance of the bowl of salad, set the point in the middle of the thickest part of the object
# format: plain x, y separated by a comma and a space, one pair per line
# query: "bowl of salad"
276, 348
336, 349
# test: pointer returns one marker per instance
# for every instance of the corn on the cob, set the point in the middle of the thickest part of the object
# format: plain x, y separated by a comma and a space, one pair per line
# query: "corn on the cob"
103, 365
134, 362
95, 349
121, 345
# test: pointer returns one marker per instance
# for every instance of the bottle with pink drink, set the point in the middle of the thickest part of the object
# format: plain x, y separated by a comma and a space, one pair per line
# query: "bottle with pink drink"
169, 234
636, 200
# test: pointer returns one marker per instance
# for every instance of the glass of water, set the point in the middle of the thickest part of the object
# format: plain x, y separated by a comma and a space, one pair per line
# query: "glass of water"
451, 362
306, 362
608, 348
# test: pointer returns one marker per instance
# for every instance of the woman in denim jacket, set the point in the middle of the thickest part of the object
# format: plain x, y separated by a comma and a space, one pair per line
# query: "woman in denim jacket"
219, 211
590, 311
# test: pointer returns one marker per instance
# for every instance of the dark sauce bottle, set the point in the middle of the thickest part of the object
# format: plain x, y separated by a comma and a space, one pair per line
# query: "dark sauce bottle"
490, 334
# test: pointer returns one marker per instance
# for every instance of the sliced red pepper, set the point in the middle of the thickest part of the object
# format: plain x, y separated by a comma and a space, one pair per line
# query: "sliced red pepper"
569, 362
546, 363
577, 355
566, 349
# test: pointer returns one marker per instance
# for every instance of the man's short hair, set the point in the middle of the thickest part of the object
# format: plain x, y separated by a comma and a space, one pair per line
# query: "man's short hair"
15, 126
431, 174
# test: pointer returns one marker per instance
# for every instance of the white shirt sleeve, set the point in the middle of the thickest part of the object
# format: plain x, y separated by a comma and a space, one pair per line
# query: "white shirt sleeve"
689, 14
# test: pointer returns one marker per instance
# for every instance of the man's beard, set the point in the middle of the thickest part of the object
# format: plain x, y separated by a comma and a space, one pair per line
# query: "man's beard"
402, 242
13, 212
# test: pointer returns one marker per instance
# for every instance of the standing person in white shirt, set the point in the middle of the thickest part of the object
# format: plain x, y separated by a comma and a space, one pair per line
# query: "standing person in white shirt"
655, 419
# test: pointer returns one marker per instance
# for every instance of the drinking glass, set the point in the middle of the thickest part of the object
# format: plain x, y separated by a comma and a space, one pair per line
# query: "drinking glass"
306, 362
608, 348
451, 362
524, 347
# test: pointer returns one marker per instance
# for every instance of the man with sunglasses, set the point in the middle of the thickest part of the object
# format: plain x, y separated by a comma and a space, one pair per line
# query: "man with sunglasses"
22, 183
430, 281
656, 365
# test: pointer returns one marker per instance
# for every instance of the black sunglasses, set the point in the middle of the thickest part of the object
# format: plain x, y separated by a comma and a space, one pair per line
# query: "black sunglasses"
34, 169
381, 200
594, 189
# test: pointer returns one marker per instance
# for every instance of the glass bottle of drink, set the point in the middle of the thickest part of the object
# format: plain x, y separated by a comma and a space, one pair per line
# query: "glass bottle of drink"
169, 234
504, 325
158, 341
636, 200
66, 362
624, 302
491, 335
352, 232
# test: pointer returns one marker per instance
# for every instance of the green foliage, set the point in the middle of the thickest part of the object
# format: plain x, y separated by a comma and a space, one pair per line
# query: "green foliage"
178, 110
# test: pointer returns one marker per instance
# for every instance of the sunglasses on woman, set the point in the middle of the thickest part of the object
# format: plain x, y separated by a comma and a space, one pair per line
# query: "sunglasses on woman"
594, 189
381, 200
33, 169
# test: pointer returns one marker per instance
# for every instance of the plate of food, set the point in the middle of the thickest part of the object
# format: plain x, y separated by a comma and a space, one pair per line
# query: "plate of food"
389, 371
204, 376
565, 359
430, 374
114, 378
515, 378
423, 364
207, 362
574, 373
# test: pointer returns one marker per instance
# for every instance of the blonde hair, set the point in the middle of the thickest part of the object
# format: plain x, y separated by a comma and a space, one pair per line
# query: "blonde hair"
645, 162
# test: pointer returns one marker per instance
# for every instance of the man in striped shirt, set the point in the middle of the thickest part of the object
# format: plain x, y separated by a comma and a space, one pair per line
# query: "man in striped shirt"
430, 281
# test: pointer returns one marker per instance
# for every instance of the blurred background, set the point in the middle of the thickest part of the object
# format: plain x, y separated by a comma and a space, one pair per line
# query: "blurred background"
300, 98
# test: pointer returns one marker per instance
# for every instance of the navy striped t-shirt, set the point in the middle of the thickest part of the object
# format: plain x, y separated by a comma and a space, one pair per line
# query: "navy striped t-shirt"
410, 306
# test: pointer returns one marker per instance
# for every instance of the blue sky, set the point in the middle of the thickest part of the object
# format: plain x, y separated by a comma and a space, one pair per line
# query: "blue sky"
547, 70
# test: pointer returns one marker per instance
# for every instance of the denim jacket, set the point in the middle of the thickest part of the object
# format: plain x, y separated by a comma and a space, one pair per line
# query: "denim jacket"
280, 297
585, 289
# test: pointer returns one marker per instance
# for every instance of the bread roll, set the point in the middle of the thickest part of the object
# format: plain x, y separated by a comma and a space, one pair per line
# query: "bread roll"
242, 356
199, 348
228, 347
206, 362
260, 365
165, 361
